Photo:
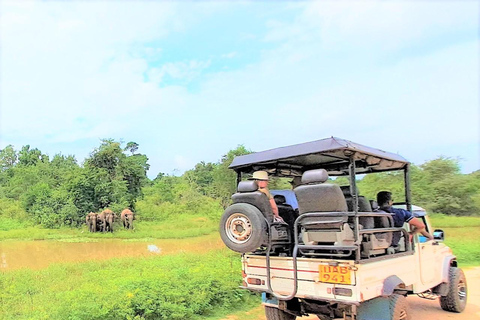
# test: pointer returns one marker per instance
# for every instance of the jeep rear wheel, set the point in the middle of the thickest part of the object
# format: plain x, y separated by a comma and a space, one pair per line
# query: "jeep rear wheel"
456, 299
243, 228
398, 308
277, 314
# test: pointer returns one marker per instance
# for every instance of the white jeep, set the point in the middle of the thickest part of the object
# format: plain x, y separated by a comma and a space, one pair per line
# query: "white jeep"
334, 256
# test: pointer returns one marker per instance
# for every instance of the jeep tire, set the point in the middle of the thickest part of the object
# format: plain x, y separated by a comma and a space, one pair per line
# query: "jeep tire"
456, 298
398, 308
243, 228
272, 313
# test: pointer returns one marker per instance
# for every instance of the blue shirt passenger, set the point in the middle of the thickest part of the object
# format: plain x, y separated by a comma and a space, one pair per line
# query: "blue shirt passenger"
400, 216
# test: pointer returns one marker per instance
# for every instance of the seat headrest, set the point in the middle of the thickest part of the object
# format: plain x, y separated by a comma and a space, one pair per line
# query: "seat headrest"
315, 176
279, 199
247, 186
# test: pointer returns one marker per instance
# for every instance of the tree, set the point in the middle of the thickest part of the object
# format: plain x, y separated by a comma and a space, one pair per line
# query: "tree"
30, 157
202, 177
224, 182
132, 147
107, 156
127, 174
8, 158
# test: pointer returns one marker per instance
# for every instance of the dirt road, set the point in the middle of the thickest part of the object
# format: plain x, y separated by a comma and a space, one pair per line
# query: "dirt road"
422, 309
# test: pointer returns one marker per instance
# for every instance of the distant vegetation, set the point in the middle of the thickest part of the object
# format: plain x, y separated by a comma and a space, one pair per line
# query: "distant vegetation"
58, 191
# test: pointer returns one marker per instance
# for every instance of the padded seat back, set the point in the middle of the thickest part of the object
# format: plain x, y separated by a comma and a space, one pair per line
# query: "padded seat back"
286, 211
363, 203
247, 192
315, 196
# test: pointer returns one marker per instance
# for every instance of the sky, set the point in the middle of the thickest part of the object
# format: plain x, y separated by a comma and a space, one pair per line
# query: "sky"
189, 81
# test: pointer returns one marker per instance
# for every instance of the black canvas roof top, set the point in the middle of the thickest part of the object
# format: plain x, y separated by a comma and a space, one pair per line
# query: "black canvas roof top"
333, 154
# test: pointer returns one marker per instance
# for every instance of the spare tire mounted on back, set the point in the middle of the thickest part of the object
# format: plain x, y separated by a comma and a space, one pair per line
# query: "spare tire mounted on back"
243, 228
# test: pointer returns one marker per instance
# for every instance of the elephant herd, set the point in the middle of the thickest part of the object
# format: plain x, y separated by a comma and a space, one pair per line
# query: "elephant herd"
104, 220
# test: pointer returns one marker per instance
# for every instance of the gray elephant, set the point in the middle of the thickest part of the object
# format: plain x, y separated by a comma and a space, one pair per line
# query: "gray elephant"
101, 221
109, 219
91, 220
127, 217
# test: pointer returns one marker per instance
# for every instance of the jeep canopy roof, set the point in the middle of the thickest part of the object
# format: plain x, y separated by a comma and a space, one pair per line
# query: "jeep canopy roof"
332, 154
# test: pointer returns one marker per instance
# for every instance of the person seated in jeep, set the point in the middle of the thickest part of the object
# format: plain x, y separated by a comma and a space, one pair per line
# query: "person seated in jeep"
261, 178
400, 216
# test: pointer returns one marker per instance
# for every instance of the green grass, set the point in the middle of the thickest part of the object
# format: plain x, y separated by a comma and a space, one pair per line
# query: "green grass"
183, 226
446, 221
183, 286
462, 235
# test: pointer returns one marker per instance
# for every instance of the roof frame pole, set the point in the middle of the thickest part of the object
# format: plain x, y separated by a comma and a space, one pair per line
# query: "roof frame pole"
353, 191
408, 194
239, 178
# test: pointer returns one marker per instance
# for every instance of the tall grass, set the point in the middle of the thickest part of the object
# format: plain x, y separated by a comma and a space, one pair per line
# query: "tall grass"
185, 286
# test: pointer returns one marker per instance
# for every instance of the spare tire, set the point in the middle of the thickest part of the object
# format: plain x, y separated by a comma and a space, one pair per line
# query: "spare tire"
243, 228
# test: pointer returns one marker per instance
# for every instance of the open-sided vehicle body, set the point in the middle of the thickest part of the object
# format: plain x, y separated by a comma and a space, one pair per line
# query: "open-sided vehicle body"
335, 256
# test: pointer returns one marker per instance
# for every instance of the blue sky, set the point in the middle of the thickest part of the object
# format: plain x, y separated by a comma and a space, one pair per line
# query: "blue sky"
189, 81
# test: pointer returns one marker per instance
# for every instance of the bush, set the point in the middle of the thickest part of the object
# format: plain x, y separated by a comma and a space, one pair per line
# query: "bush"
171, 287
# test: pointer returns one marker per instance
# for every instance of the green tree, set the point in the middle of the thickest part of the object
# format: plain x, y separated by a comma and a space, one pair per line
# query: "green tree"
224, 179
8, 158
132, 147
202, 177
30, 157
127, 174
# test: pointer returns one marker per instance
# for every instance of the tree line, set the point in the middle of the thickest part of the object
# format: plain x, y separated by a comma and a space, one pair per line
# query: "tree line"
60, 191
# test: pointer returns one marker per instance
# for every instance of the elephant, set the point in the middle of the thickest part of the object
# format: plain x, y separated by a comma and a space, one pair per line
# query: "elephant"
109, 219
91, 220
101, 221
127, 217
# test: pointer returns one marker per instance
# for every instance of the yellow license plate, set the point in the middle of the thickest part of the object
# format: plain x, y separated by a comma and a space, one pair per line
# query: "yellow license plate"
337, 274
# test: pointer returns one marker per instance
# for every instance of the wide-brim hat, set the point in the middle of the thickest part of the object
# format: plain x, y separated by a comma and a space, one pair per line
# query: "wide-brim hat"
260, 175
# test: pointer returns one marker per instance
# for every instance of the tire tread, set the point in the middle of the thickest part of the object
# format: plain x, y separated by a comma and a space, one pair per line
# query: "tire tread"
450, 302
272, 313
397, 303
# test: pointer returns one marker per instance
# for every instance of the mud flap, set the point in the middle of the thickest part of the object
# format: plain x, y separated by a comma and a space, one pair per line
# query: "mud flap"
375, 309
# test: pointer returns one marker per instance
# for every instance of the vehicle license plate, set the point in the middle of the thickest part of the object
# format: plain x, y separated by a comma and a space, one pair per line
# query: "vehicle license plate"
337, 274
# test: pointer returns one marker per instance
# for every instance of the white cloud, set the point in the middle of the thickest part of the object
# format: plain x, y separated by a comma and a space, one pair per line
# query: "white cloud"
186, 71
385, 25
229, 55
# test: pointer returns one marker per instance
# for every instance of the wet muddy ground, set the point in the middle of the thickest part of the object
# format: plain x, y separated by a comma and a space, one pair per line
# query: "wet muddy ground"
40, 254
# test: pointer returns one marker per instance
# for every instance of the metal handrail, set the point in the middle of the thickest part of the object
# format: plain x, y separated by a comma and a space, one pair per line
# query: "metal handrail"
294, 255
297, 247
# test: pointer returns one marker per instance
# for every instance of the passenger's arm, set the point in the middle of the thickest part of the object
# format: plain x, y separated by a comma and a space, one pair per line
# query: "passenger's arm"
274, 207
419, 226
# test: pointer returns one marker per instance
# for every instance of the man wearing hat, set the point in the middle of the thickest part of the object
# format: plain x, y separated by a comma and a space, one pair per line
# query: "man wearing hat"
261, 178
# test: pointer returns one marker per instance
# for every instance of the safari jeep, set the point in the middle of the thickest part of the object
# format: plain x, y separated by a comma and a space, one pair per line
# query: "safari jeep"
333, 254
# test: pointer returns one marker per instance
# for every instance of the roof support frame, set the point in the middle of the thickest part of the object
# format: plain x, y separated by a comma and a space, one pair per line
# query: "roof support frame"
353, 192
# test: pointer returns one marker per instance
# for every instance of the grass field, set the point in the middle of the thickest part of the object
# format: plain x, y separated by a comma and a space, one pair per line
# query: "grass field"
183, 226
462, 234
183, 286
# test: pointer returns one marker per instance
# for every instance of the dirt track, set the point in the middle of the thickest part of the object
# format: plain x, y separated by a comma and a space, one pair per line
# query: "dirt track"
422, 309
